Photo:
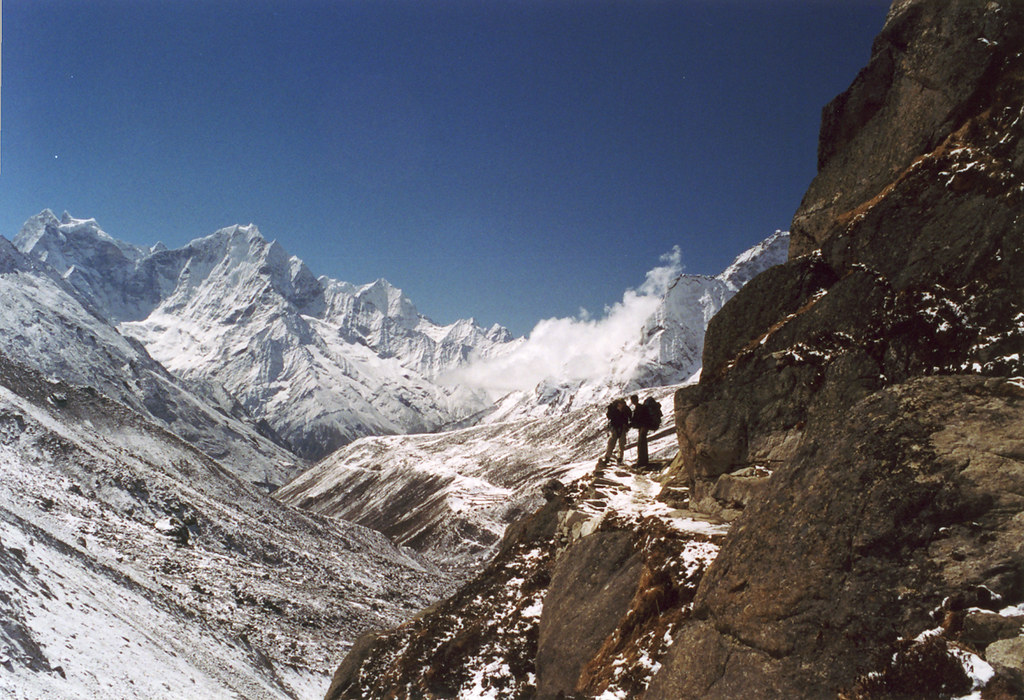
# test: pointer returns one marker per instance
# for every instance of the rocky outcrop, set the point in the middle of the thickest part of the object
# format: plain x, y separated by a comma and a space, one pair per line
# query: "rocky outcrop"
561, 611
933, 68
871, 374
590, 591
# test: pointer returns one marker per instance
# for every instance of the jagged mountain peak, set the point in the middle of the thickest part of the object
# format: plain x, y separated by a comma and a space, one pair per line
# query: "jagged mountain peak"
772, 251
322, 361
73, 243
499, 334
236, 309
236, 245
234, 264
649, 341
388, 300
54, 328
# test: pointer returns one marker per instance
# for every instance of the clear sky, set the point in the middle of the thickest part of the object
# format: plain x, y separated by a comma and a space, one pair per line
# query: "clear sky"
510, 160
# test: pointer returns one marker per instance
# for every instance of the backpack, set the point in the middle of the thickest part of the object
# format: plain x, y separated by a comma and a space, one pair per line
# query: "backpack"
619, 415
653, 409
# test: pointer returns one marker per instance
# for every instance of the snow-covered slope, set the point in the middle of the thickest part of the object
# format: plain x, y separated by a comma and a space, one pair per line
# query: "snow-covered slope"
321, 361
133, 566
672, 339
450, 495
48, 325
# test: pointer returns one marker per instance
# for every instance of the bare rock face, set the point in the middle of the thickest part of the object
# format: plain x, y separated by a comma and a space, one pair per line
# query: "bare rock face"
931, 67
872, 374
552, 616
590, 591
911, 498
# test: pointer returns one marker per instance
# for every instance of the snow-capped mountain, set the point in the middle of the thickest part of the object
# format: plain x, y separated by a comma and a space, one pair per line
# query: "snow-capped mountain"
663, 346
51, 327
321, 361
672, 339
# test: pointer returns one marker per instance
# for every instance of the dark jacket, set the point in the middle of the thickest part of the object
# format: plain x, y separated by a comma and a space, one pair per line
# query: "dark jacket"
619, 415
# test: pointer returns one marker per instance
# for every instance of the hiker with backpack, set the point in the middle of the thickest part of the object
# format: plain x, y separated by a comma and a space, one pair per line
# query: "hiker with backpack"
646, 416
619, 418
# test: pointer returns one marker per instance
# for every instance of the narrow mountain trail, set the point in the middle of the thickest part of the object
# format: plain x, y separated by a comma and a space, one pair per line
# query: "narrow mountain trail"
620, 491
623, 491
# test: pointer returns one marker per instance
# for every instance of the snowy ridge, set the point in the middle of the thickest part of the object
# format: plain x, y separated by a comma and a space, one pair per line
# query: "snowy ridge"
450, 496
752, 262
663, 338
322, 362
673, 337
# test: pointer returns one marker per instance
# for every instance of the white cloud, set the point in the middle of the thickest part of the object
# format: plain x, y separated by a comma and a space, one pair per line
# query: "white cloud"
562, 350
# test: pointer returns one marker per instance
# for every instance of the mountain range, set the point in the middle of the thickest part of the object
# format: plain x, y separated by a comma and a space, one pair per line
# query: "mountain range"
319, 362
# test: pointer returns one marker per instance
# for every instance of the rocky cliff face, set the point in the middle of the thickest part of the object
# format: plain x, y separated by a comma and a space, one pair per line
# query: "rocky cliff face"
843, 372
934, 68
898, 516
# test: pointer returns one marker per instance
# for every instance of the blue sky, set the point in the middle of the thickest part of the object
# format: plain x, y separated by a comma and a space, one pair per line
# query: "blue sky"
510, 160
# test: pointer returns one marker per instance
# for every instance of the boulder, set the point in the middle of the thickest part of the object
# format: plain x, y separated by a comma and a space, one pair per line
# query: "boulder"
981, 628
591, 589
1008, 653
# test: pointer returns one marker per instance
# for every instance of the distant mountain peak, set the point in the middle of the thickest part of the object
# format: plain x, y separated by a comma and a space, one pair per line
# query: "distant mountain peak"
322, 361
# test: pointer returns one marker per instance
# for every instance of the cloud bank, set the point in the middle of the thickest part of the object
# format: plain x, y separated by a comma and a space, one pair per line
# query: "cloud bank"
565, 350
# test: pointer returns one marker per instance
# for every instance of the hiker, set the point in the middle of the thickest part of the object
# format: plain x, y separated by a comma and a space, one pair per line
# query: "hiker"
646, 416
619, 417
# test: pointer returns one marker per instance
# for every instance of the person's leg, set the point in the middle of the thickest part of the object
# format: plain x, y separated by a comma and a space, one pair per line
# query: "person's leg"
641, 447
622, 444
612, 439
